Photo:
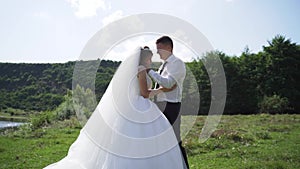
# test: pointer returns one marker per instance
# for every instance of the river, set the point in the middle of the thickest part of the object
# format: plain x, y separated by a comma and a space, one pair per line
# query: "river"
5, 124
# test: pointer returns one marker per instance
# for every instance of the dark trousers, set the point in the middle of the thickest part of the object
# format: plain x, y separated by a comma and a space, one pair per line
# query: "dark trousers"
172, 113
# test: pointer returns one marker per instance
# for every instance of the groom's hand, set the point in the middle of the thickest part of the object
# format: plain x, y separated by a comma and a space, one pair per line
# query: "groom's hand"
168, 89
148, 69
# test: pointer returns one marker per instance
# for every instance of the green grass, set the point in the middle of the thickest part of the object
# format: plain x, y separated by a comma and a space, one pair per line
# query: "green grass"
254, 141
240, 141
36, 149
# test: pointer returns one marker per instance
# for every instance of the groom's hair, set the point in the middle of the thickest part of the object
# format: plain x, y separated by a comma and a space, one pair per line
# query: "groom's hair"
166, 40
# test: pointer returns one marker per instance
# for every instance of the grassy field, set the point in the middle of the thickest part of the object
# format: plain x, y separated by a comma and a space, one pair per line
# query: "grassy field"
254, 141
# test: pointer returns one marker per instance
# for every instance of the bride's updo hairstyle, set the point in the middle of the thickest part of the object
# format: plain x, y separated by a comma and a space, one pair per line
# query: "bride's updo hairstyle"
145, 54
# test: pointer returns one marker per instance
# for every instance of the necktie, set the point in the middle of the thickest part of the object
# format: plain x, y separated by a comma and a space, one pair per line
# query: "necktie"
161, 70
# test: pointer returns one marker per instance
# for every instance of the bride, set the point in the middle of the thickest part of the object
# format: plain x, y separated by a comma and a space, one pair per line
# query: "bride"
126, 130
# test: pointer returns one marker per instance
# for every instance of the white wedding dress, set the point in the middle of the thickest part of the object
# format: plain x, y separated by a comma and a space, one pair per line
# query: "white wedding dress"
126, 131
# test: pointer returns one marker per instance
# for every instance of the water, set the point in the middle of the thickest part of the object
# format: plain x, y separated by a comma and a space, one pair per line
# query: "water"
5, 124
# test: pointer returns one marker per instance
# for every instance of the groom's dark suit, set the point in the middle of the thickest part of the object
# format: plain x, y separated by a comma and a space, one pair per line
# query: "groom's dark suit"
170, 73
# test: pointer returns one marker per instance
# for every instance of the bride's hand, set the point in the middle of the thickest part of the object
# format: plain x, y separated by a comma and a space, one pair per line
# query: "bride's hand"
154, 92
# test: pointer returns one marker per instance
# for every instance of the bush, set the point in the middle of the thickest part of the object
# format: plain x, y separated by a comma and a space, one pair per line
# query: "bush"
65, 110
274, 104
42, 119
79, 100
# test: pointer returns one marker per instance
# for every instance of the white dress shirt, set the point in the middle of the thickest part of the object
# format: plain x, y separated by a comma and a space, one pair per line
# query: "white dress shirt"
173, 73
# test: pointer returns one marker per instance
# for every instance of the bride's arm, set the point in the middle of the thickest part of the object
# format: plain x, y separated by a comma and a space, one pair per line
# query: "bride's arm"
143, 84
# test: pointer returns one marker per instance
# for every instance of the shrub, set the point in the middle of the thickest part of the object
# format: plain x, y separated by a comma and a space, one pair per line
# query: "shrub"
79, 100
274, 104
42, 119
65, 110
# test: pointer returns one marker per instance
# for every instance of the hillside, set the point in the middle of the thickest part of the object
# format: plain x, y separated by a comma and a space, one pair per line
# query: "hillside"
43, 86
263, 82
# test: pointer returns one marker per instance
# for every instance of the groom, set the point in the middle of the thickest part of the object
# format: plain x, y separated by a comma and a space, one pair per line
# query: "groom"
170, 75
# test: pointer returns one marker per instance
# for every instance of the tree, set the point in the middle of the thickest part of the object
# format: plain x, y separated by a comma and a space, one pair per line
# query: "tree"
282, 70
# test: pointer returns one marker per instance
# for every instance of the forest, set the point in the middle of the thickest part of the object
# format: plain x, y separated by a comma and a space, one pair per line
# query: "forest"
263, 82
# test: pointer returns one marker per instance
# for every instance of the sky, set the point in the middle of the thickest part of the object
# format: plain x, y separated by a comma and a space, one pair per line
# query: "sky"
56, 31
